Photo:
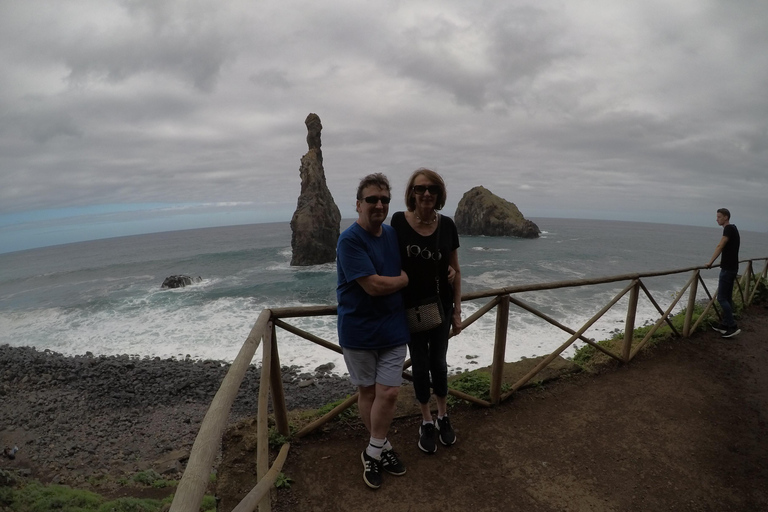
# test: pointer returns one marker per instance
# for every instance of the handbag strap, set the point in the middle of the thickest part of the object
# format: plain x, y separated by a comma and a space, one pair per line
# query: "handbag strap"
437, 261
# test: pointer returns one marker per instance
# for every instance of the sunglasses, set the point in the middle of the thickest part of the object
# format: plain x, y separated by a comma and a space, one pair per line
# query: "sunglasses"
376, 199
420, 189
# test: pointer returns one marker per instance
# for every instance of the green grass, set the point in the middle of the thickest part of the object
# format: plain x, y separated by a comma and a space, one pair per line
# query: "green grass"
347, 414
152, 478
32, 496
476, 383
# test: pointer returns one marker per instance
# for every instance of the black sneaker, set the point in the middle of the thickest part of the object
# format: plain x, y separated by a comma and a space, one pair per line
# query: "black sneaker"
731, 332
719, 328
427, 438
445, 431
391, 463
372, 471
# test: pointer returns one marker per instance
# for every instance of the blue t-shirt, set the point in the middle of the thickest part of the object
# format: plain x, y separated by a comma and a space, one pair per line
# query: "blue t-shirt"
364, 321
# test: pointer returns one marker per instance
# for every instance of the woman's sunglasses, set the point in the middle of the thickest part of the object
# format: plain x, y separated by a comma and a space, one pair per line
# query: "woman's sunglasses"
420, 189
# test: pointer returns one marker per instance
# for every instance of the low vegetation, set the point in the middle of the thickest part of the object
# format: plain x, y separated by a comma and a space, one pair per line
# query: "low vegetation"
476, 383
23, 495
589, 358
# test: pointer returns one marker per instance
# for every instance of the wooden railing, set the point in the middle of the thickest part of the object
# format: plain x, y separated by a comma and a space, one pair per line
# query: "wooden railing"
194, 481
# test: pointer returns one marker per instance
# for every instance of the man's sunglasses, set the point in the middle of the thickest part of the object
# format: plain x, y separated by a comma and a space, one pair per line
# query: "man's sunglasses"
420, 189
376, 199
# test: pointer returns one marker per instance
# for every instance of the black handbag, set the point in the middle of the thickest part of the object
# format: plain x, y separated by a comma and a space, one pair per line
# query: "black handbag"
427, 313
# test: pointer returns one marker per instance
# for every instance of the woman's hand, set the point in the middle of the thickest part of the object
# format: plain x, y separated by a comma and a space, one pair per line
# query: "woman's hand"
451, 275
456, 320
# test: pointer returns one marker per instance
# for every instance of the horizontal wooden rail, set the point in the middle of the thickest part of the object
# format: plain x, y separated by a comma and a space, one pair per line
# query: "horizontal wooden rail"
346, 404
308, 336
534, 287
303, 311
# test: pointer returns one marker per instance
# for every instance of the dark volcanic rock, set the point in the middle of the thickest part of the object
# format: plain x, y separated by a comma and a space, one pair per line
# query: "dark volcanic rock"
480, 212
85, 415
179, 281
316, 221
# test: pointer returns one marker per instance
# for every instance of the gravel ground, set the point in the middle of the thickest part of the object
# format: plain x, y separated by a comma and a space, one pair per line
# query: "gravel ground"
75, 418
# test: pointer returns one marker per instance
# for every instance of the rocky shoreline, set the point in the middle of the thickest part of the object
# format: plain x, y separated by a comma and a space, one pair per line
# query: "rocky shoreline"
83, 417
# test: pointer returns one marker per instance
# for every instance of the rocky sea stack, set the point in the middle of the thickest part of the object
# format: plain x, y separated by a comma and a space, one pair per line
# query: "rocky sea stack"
316, 221
481, 212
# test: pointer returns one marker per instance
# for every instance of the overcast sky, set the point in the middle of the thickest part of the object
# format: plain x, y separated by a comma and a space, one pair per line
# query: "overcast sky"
123, 117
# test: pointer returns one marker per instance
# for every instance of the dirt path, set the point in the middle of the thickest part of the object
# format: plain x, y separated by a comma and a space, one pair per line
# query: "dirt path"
683, 428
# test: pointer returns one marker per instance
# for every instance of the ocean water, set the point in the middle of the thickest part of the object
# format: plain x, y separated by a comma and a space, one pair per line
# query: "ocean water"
104, 296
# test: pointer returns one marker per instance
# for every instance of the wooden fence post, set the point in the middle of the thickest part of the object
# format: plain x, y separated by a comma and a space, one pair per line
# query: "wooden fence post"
278, 393
691, 304
499, 347
262, 416
747, 283
629, 325
758, 279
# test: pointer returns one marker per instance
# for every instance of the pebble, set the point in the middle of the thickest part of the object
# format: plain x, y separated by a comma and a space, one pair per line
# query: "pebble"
104, 411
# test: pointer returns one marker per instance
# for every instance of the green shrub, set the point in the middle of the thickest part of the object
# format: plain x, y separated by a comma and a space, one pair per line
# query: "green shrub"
147, 477
276, 439
130, 505
35, 497
208, 504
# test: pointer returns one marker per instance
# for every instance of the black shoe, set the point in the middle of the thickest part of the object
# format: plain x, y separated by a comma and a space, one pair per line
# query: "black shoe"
445, 431
731, 332
427, 438
719, 328
372, 471
391, 463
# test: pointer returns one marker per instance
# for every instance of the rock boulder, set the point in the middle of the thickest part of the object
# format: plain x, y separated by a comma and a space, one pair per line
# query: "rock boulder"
180, 281
480, 212
316, 221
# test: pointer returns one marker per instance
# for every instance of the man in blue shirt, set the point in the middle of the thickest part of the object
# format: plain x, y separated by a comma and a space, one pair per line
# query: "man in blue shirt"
729, 268
373, 332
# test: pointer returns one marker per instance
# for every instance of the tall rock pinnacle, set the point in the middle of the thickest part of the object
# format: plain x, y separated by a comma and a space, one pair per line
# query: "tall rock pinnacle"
316, 221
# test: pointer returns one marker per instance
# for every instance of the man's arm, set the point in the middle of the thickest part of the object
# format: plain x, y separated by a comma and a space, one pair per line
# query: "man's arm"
718, 250
377, 285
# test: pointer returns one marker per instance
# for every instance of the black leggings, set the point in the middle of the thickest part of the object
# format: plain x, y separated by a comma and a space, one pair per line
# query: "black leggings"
428, 350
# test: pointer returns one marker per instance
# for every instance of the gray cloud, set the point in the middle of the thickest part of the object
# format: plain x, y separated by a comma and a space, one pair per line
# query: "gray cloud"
633, 110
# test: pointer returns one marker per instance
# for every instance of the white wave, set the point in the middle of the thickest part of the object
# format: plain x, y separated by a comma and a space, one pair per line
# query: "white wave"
489, 249
496, 278
217, 329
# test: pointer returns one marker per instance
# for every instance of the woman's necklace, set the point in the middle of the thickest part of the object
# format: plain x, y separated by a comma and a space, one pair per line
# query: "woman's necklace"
426, 223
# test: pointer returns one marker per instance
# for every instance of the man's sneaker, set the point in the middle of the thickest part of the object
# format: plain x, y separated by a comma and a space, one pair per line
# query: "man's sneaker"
731, 332
719, 328
372, 471
391, 463
445, 431
427, 438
